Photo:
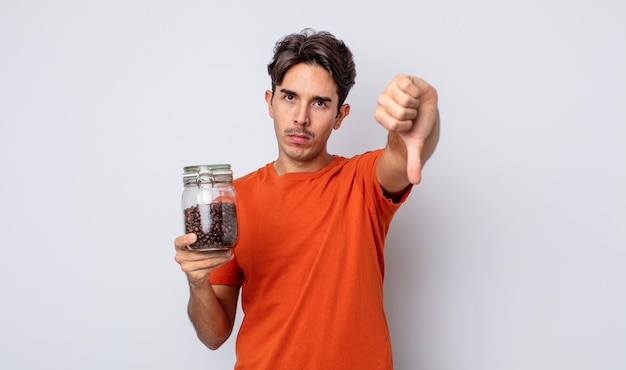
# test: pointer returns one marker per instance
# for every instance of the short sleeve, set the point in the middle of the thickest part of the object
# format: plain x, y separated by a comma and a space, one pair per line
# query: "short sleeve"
228, 274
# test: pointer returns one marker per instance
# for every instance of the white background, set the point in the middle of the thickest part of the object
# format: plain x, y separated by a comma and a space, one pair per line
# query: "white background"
510, 255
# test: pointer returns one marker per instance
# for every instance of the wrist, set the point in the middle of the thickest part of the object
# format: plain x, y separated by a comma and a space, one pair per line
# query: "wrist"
198, 285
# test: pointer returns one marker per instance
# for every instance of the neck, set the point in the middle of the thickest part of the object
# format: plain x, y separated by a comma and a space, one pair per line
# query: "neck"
283, 166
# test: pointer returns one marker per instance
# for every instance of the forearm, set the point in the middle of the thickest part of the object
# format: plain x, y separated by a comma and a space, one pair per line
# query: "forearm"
211, 320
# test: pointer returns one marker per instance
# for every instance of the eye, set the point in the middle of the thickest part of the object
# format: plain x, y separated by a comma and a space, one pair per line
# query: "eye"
320, 103
289, 97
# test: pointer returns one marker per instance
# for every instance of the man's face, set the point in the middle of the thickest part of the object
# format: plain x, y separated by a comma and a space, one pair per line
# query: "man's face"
304, 109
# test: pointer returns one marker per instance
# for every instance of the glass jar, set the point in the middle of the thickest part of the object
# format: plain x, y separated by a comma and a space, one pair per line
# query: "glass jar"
209, 205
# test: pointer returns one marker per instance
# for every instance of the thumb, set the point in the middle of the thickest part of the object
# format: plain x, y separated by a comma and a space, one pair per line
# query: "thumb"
414, 159
415, 139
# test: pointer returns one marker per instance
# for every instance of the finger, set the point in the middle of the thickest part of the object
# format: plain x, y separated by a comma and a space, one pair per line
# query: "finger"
408, 85
191, 262
425, 92
391, 123
183, 241
197, 261
403, 94
393, 116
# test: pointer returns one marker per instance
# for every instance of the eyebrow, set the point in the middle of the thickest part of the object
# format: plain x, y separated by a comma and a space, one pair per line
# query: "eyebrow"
317, 97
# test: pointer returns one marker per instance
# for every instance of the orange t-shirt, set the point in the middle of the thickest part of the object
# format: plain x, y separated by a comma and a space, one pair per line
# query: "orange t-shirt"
310, 262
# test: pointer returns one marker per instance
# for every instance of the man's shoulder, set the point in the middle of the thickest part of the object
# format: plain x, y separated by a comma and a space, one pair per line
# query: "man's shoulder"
365, 157
253, 175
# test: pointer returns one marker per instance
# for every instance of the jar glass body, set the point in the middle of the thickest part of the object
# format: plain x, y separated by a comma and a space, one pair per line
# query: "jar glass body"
209, 206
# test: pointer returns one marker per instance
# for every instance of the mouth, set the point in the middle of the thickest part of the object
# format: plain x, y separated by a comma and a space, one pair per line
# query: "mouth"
299, 136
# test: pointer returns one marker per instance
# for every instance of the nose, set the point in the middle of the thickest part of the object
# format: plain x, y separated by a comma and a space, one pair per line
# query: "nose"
301, 116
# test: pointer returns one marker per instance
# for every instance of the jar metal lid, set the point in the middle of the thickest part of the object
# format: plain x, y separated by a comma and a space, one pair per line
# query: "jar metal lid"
216, 169
207, 173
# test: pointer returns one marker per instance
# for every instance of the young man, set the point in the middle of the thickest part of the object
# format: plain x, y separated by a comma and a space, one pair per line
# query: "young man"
309, 258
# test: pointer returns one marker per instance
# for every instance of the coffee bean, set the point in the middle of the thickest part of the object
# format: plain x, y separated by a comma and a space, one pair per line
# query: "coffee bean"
215, 224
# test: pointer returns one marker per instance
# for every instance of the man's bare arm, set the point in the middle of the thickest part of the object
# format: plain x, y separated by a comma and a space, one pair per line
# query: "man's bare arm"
211, 308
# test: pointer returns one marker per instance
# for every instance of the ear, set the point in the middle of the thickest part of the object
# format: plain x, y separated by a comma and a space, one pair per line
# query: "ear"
268, 100
343, 113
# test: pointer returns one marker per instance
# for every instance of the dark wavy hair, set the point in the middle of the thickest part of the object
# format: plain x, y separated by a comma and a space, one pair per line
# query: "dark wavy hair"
316, 48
